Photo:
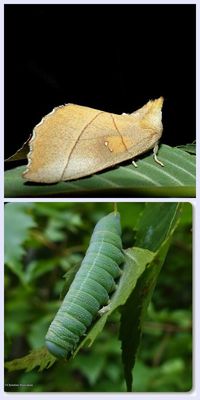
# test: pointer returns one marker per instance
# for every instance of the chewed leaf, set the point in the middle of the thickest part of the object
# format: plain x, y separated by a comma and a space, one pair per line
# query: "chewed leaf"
40, 358
75, 141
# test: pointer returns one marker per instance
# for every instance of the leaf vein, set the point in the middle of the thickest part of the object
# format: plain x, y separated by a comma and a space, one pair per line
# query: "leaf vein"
77, 140
136, 172
164, 172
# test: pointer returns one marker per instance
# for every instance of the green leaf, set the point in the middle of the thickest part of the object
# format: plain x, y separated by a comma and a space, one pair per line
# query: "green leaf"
190, 147
132, 317
175, 179
155, 229
155, 224
37, 358
17, 224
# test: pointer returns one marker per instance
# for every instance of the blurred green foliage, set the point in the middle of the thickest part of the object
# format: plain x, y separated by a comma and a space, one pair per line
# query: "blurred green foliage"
42, 242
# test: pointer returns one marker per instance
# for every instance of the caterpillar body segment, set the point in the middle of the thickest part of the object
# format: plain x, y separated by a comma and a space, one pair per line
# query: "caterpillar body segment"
90, 289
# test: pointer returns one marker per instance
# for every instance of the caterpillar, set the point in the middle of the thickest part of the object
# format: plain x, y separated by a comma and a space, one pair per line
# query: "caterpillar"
90, 289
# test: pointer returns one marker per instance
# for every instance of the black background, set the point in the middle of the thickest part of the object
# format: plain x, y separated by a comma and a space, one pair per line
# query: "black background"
110, 57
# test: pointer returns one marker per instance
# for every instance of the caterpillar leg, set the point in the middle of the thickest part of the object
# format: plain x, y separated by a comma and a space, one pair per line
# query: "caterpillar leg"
103, 310
155, 151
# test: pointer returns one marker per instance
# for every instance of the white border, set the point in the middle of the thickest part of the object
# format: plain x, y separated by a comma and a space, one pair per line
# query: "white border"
101, 2
195, 392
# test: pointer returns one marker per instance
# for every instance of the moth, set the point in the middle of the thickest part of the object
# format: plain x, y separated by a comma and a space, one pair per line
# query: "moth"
75, 141
90, 289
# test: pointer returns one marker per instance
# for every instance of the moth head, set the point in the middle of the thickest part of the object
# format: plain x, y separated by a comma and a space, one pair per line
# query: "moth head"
152, 118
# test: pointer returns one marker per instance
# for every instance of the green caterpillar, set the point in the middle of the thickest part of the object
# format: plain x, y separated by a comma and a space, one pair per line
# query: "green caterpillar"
90, 288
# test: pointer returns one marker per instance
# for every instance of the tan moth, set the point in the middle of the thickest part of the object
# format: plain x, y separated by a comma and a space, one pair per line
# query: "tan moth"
75, 141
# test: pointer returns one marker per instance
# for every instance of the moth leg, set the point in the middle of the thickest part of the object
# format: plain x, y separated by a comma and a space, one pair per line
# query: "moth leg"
134, 163
104, 309
155, 151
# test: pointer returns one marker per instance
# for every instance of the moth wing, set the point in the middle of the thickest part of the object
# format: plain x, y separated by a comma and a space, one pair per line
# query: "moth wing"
75, 141
53, 141
112, 138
